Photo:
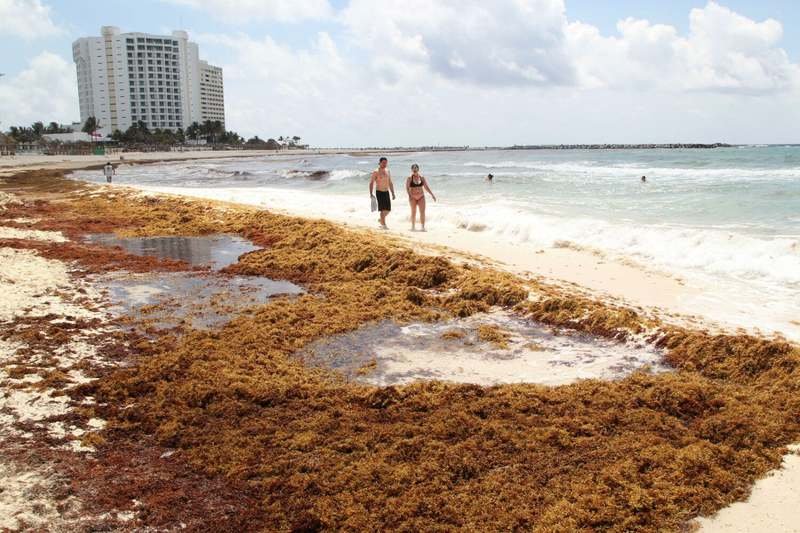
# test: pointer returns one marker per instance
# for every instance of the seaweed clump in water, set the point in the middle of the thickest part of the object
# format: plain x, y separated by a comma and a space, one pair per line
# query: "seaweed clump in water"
494, 334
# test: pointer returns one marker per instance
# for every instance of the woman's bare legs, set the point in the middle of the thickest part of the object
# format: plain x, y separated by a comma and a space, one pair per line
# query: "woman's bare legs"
421, 203
413, 201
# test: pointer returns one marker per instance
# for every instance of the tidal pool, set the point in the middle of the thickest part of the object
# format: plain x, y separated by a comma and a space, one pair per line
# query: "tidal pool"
166, 300
197, 300
389, 354
215, 251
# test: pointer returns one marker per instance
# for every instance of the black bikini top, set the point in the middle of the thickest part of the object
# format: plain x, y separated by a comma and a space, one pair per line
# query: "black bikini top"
415, 184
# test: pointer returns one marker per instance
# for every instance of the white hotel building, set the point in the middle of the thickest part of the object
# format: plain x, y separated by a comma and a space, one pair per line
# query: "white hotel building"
127, 77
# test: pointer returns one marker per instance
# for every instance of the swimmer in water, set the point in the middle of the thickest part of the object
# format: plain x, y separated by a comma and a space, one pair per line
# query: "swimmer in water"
644, 179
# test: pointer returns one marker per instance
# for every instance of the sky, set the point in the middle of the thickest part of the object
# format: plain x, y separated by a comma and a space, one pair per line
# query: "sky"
342, 73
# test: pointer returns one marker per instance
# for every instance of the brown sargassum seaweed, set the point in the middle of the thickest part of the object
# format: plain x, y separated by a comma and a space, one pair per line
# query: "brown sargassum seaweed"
647, 452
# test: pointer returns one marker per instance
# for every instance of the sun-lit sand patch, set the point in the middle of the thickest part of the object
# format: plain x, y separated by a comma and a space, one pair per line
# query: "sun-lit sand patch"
7, 199
26, 501
30, 285
773, 505
531, 353
51, 326
7, 232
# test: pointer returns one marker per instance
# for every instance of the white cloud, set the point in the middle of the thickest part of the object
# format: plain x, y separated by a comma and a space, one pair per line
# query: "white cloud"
723, 52
239, 11
319, 93
28, 19
278, 90
508, 42
531, 43
46, 90
421, 72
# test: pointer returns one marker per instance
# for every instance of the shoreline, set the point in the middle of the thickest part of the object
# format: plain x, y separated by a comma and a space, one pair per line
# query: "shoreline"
10, 165
585, 270
102, 191
631, 283
599, 275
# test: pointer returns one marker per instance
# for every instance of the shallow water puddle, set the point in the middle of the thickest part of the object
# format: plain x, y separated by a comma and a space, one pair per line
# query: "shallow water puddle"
167, 300
389, 354
216, 251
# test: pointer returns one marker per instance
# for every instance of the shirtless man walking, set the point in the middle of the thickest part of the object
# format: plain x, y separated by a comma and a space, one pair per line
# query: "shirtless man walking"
381, 179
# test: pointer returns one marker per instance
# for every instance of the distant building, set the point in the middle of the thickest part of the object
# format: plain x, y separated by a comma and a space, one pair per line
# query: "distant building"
127, 77
212, 93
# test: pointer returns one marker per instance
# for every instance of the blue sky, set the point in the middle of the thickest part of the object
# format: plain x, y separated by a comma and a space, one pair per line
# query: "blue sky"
450, 72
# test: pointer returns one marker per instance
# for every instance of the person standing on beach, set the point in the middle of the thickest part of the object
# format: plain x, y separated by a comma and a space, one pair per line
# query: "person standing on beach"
381, 180
416, 185
109, 171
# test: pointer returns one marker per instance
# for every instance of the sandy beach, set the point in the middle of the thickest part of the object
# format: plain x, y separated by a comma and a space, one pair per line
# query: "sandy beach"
11, 164
179, 399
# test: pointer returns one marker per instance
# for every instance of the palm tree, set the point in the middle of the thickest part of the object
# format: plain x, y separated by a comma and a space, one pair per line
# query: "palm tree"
193, 131
217, 129
207, 129
91, 126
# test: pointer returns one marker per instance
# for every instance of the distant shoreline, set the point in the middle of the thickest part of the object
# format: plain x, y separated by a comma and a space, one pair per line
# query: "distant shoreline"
12, 164
598, 146
668, 146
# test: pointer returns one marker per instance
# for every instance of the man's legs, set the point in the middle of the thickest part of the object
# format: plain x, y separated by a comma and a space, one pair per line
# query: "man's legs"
383, 218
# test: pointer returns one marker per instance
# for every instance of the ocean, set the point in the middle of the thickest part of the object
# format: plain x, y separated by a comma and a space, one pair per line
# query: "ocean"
725, 220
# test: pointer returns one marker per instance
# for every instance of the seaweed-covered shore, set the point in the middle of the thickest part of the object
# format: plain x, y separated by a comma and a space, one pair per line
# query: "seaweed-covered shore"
224, 429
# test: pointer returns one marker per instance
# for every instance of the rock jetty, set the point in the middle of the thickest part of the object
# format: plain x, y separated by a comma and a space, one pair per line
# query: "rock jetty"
614, 146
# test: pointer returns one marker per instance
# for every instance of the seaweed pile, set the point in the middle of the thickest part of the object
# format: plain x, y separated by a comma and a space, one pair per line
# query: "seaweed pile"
648, 452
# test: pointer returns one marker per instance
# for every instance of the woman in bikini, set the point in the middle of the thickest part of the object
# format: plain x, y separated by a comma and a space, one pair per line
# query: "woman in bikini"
416, 185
